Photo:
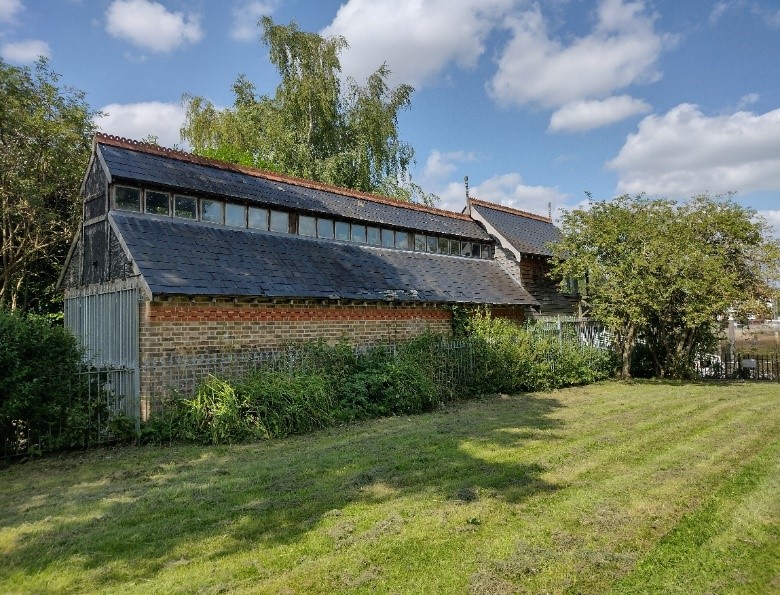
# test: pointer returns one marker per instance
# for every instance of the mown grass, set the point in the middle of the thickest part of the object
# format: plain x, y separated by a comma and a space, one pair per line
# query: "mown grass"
642, 488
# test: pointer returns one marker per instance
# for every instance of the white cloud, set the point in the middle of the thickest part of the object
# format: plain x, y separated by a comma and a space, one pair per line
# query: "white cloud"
684, 153
583, 115
138, 120
535, 68
772, 218
510, 190
9, 9
246, 16
417, 39
149, 25
748, 99
718, 11
25, 52
506, 189
440, 165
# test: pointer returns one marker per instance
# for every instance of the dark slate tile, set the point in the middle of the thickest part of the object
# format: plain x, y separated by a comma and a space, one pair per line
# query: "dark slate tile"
195, 258
144, 168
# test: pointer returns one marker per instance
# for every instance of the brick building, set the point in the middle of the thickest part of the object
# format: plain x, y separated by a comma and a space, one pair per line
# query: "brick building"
181, 256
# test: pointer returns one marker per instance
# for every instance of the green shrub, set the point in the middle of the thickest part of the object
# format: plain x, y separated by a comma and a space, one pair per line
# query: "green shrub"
42, 398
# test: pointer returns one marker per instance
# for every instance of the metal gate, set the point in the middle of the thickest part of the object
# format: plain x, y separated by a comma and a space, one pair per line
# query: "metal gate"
104, 319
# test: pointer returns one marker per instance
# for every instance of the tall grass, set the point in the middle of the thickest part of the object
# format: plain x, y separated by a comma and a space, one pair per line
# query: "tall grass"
322, 385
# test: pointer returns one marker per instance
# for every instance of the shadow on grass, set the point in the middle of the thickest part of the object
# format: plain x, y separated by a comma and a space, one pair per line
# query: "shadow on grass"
138, 511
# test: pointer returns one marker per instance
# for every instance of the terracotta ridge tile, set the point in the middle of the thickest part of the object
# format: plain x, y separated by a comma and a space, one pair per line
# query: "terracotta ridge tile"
498, 207
133, 145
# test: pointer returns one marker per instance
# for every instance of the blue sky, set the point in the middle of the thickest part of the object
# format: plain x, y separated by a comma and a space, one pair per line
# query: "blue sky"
537, 102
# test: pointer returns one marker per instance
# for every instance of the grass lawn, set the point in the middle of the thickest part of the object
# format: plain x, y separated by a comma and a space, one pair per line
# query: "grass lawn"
611, 488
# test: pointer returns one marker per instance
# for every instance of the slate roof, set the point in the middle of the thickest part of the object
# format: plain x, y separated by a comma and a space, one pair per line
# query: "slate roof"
139, 163
177, 257
527, 232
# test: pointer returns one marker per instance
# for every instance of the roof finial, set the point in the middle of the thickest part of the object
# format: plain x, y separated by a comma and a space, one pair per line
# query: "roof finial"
549, 210
466, 182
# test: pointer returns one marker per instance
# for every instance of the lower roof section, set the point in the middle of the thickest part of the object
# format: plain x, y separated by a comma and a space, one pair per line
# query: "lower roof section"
198, 259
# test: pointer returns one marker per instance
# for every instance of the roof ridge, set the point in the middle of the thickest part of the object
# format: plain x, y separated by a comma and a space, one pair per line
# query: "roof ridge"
498, 207
134, 145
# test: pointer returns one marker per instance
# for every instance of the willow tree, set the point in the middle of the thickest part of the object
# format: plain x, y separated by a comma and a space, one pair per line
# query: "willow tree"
664, 271
45, 140
314, 126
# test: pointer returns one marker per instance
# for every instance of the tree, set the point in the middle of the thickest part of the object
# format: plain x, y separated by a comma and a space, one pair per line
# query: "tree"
45, 139
665, 271
314, 127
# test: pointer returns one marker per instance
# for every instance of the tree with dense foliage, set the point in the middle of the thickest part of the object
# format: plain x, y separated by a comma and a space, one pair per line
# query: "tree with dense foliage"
45, 138
313, 127
664, 271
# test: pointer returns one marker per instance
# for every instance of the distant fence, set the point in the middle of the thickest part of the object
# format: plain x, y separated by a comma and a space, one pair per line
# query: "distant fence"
739, 366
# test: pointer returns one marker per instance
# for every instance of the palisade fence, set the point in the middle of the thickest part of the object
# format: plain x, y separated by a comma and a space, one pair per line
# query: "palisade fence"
745, 366
96, 399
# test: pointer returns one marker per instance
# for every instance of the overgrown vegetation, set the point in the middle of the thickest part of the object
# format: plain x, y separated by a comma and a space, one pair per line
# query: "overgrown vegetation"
45, 402
649, 487
326, 385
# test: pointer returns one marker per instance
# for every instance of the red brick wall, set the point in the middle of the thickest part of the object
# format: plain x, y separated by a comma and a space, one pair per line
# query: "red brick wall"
204, 333
183, 340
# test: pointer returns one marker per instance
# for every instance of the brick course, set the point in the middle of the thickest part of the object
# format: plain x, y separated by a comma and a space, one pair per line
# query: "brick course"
205, 332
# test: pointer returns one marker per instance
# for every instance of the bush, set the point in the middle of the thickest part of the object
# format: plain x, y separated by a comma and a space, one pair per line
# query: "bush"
319, 385
43, 404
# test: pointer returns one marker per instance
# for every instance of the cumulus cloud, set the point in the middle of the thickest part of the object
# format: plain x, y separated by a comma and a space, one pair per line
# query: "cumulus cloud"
149, 25
537, 69
510, 190
25, 52
583, 115
440, 165
9, 9
685, 152
138, 120
416, 39
246, 16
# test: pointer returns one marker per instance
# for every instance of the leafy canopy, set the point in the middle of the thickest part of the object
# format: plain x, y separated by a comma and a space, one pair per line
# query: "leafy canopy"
313, 127
45, 139
664, 270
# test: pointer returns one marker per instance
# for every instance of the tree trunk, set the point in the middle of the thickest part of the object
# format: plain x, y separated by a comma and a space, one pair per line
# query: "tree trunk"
629, 336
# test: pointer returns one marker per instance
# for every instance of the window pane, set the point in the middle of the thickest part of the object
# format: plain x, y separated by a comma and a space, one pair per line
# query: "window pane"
420, 242
486, 251
235, 215
433, 244
342, 230
373, 236
280, 221
126, 198
388, 238
185, 207
358, 233
468, 249
444, 246
211, 211
258, 218
402, 240
455, 247
325, 228
156, 202
307, 226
